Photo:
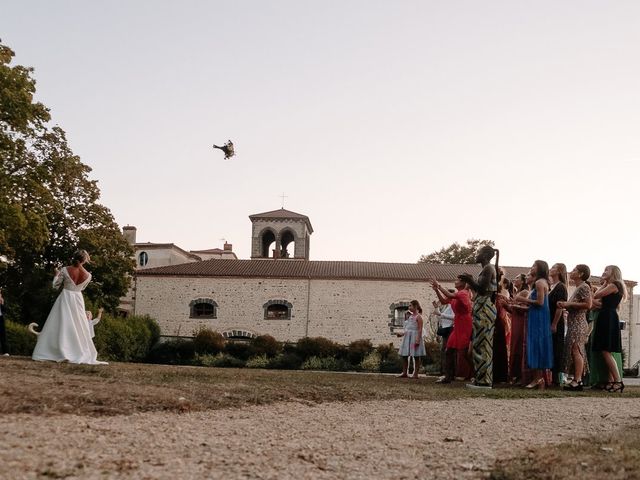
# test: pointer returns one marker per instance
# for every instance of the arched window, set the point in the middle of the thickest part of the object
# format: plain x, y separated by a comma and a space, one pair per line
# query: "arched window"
203, 308
238, 335
277, 310
288, 244
143, 258
268, 243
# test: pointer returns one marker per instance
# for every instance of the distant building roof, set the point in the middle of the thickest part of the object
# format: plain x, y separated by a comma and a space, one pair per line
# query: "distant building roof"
215, 251
160, 246
270, 268
282, 214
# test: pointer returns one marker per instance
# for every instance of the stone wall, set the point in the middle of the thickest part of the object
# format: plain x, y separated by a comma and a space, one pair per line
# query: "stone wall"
342, 310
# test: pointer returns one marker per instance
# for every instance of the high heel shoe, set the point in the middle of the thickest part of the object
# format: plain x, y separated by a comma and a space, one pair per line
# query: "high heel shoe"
570, 387
536, 384
613, 387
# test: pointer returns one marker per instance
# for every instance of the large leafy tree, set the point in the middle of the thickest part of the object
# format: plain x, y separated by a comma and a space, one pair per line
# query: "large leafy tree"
48, 206
456, 253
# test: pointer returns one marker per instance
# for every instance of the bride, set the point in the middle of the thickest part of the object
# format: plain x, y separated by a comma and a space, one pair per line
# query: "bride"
66, 335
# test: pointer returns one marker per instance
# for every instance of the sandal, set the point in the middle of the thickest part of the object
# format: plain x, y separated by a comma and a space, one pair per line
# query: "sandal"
570, 387
613, 387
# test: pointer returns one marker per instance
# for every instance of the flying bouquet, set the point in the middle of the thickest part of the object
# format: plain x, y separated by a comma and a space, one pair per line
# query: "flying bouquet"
227, 148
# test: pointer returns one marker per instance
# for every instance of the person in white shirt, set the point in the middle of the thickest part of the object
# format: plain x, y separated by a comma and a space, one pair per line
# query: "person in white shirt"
445, 315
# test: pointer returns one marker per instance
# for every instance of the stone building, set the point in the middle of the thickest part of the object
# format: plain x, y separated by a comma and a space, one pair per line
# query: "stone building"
281, 292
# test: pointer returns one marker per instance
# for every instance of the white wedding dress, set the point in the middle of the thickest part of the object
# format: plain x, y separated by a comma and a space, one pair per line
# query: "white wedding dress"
66, 335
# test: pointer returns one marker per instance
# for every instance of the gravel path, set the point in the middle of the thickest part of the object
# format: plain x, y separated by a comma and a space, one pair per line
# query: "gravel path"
378, 439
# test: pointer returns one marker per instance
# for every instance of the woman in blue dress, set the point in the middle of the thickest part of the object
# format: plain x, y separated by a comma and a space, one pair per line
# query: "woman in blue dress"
539, 339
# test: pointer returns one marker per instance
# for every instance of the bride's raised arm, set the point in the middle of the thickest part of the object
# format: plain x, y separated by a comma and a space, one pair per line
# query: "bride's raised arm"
57, 278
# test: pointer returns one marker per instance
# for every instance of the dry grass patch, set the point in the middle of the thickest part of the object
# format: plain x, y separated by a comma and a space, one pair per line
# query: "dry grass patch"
615, 456
125, 388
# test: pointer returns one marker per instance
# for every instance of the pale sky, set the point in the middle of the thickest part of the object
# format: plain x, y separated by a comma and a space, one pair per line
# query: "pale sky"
384, 122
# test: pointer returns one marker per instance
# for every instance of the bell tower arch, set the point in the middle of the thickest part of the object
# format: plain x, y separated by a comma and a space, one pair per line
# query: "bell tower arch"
280, 234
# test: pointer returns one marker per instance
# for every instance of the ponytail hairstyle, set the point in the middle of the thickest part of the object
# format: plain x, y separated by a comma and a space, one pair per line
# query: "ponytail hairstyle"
489, 252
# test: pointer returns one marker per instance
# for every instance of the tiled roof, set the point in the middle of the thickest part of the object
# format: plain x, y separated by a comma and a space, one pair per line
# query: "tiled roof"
282, 214
211, 250
319, 269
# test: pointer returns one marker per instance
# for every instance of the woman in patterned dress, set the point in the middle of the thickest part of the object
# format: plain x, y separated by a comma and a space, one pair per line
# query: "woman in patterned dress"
484, 319
575, 354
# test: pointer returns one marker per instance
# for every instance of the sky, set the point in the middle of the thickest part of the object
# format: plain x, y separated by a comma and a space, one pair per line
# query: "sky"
396, 127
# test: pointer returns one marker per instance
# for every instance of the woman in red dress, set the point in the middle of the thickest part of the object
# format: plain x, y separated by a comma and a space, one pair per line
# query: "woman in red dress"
462, 325
518, 319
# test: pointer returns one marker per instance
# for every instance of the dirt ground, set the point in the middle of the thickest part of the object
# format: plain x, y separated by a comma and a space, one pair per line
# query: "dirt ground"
455, 438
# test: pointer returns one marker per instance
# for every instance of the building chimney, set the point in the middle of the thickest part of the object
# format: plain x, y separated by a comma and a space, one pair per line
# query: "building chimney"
129, 233
228, 247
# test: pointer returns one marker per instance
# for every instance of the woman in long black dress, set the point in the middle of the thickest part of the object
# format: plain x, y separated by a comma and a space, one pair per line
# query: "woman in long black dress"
608, 338
558, 293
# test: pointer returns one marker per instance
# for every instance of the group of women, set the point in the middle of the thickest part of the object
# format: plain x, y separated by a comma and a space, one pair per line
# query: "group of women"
528, 330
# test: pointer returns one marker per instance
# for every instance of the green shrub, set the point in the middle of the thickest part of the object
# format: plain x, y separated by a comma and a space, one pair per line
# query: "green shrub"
126, 339
288, 347
316, 347
384, 350
221, 360
358, 350
208, 342
260, 361
371, 363
324, 363
20, 341
285, 361
240, 350
392, 363
173, 352
265, 345
341, 352
432, 356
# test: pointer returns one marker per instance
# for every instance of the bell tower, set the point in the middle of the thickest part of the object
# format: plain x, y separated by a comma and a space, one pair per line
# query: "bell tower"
280, 234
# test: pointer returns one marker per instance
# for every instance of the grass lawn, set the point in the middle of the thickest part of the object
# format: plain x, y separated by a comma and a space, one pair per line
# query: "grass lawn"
44, 388
125, 388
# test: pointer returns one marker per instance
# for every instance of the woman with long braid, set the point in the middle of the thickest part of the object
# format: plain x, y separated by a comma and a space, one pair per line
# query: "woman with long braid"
484, 318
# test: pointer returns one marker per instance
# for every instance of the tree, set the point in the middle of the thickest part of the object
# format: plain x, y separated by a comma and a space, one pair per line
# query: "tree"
48, 206
456, 253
